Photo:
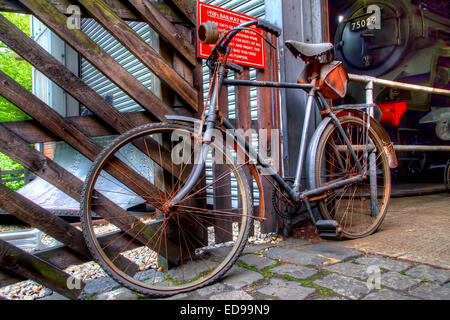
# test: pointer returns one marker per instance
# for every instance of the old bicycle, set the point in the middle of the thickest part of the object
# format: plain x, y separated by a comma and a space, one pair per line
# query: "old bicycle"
164, 236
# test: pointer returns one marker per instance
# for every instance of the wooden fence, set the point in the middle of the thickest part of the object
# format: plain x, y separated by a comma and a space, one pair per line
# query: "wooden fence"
24, 175
180, 73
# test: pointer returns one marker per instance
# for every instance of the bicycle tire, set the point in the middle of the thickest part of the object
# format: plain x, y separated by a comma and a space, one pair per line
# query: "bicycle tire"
119, 275
324, 169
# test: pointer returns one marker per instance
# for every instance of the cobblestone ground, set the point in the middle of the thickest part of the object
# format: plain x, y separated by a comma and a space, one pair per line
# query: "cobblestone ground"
298, 270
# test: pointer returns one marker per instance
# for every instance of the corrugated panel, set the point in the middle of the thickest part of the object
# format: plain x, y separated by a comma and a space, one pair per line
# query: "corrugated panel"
254, 8
96, 80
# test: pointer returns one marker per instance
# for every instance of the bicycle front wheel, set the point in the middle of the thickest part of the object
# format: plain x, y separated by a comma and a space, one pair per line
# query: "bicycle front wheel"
146, 244
360, 207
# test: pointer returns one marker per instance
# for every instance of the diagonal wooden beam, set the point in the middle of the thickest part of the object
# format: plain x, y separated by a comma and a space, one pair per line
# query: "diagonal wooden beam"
137, 46
119, 8
36, 55
117, 5
188, 8
59, 74
49, 118
153, 17
87, 48
64, 232
17, 149
54, 122
34, 268
38, 217
33, 132
63, 257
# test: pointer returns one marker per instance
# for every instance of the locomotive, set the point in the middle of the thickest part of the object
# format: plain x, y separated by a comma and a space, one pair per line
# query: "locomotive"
405, 41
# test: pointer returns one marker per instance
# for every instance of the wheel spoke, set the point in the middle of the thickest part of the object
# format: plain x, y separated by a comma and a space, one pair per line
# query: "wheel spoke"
179, 253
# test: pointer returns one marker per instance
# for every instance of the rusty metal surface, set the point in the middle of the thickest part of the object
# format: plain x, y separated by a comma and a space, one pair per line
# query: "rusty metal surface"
415, 229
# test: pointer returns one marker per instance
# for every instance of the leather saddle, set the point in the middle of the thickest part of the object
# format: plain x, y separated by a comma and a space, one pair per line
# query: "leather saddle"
308, 50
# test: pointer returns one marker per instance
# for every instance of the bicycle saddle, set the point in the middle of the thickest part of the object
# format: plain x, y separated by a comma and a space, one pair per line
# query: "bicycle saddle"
308, 49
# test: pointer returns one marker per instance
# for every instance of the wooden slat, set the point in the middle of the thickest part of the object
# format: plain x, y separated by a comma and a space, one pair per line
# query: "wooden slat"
265, 98
223, 225
8, 278
49, 118
87, 48
243, 107
63, 257
38, 217
23, 45
119, 8
36, 269
36, 108
188, 7
9, 172
117, 5
60, 75
33, 132
141, 50
50, 171
153, 17
244, 122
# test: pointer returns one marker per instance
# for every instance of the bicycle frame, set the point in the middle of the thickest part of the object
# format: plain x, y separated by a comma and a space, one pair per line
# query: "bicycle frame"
213, 118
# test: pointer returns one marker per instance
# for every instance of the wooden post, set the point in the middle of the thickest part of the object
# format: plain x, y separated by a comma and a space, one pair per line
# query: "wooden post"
244, 121
266, 102
222, 192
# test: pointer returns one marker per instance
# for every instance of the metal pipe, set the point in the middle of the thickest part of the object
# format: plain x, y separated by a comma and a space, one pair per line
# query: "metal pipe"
249, 83
398, 85
301, 152
331, 186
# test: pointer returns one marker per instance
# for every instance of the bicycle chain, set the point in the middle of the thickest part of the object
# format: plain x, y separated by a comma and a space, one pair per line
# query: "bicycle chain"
282, 206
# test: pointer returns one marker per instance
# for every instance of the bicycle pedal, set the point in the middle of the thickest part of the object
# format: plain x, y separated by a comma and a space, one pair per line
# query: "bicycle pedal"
329, 229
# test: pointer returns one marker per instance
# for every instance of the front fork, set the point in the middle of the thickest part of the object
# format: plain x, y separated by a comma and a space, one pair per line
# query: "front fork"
206, 137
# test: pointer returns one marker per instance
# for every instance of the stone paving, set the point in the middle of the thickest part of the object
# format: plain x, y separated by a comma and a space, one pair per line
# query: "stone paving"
299, 270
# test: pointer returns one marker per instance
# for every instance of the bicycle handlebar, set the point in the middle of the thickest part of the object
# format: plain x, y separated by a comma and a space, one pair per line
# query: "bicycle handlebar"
260, 23
268, 27
209, 33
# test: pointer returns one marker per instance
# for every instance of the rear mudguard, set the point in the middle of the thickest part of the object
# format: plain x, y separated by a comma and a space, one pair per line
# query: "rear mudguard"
375, 125
253, 170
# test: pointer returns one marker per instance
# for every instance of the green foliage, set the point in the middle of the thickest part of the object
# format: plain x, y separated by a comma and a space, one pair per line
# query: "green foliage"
17, 69
20, 71
7, 163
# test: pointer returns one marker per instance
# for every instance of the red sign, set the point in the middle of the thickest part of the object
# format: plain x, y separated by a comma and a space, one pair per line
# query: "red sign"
247, 47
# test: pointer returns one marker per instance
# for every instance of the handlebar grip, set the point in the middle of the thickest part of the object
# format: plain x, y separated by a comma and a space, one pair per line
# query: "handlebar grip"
267, 26
234, 67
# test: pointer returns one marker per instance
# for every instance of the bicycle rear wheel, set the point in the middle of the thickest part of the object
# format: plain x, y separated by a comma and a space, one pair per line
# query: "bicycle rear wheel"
360, 207
142, 242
